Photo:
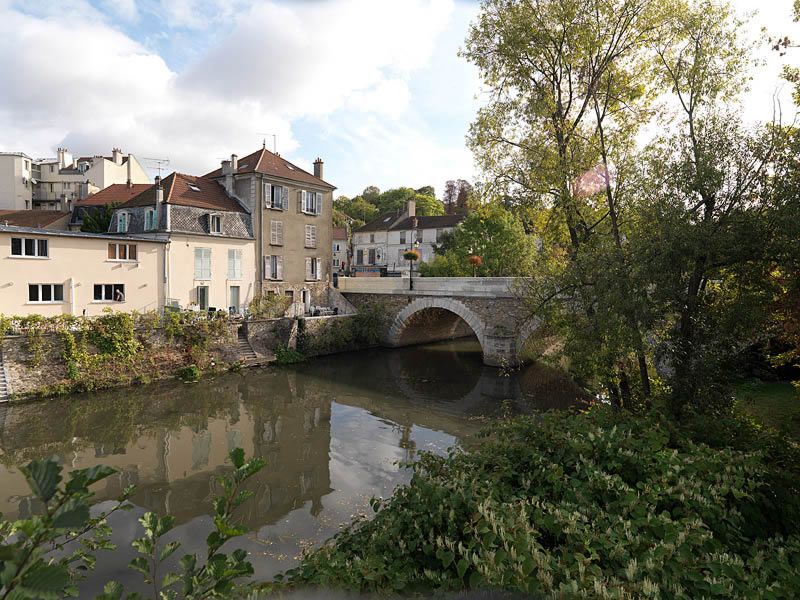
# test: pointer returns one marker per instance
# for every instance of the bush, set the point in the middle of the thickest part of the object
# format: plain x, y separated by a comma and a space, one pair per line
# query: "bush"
189, 374
599, 504
287, 356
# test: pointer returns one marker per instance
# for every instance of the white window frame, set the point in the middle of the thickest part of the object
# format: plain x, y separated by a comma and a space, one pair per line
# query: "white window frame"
52, 287
313, 268
234, 264
273, 267
204, 271
36, 248
104, 292
212, 218
127, 252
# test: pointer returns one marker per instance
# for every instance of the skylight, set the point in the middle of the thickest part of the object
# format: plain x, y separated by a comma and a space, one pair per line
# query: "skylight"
243, 166
290, 166
194, 188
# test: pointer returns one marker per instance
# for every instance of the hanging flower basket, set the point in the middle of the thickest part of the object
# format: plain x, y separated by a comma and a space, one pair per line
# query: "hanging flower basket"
411, 255
475, 260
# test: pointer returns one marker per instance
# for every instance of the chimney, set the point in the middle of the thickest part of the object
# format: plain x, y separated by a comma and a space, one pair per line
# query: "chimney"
234, 163
61, 163
411, 207
161, 206
318, 168
227, 171
116, 156
130, 180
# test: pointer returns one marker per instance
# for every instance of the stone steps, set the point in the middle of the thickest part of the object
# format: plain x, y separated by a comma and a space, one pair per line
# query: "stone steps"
5, 387
246, 352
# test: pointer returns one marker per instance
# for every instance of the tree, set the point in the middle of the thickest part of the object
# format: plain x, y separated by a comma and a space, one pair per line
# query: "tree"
427, 190
494, 234
457, 195
356, 208
98, 219
371, 193
427, 206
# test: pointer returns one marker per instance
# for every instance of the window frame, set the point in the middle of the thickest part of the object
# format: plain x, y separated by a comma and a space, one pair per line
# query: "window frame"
106, 287
212, 218
310, 237
128, 248
37, 245
236, 255
39, 287
201, 276
126, 216
150, 219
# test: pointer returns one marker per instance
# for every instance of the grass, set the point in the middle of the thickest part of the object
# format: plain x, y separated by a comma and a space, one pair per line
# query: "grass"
775, 404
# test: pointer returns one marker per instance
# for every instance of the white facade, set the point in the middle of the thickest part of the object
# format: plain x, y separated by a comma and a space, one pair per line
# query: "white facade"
16, 188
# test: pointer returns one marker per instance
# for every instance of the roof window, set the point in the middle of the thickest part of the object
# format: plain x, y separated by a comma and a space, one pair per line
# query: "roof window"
194, 188
290, 166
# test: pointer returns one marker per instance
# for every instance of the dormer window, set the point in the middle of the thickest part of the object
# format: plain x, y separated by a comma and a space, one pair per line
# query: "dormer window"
215, 223
123, 221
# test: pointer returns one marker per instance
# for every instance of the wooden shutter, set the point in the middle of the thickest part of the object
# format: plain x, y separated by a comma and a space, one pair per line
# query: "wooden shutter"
267, 195
308, 267
284, 198
265, 267
278, 267
273, 232
300, 199
112, 251
319, 269
132, 252
319, 203
313, 229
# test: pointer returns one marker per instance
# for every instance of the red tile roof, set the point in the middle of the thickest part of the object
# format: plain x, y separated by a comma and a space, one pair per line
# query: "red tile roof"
179, 190
31, 218
264, 161
340, 233
116, 193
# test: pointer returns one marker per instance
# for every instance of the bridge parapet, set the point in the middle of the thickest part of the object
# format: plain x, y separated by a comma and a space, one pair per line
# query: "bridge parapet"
493, 287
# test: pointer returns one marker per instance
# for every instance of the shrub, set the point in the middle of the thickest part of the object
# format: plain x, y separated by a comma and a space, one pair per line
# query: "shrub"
599, 504
189, 374
287, 356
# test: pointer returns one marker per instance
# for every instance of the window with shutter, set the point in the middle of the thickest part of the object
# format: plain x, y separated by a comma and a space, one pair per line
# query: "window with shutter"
284, 198
276, 233
234, 264
265, 267
319, 203
279, 267
318, 269
311, 236
309, 263
267, 189
202, 263
359, 257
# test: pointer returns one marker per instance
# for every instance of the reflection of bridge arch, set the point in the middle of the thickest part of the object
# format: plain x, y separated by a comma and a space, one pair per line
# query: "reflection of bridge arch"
399, 329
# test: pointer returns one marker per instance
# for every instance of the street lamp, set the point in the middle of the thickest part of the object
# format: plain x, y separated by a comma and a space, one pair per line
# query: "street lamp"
411, 255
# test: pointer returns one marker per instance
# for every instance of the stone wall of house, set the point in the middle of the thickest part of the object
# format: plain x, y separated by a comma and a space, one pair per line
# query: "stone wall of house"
319, 336
265, 335
158, 358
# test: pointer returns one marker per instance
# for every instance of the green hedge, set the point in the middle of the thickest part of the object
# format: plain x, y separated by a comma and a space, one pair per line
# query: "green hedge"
598, 504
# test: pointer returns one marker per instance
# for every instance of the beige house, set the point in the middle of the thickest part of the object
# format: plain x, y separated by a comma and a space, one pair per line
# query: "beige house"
16, 187
292, 214
61, 181
209, 260
51, 272
340, 248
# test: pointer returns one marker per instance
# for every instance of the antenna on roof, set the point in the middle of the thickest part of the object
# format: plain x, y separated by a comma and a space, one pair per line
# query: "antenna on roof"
274, 141
156, 163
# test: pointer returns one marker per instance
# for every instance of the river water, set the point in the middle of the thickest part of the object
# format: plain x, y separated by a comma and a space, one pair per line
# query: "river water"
332, 431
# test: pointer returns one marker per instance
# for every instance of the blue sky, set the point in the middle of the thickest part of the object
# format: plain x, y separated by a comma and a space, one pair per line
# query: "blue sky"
374, 87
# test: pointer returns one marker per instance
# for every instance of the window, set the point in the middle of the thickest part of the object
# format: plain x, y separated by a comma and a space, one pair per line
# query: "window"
310, 202
276, 233
149, 219
439, 233
45, 292
313, 270
335, 262
67, 185
359, 257
109, 292
276, 197
51, 170
273, 267
122, 252
311, 236
194, 188
123, 220
419, 235
371, 238
336, 247
202, 263
371, 259
402, 237
201, 294
29, 247
234, 264
215, 223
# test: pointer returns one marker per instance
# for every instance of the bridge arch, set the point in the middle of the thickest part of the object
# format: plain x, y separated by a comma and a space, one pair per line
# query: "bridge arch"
404, 318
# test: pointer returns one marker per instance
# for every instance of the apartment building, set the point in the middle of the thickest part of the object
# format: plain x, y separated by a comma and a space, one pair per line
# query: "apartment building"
341, 247
16, 187
209, 260
53, 272
378, 246
292, 222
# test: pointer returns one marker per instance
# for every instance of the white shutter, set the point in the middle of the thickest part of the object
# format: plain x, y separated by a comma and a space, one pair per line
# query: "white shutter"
265, 268
300, 200
273, 232
304, 195
313, 231
318, 204
319, 270
198, 264
231, 264
308, 267
267, 195
284, 198
279, 267
280, 233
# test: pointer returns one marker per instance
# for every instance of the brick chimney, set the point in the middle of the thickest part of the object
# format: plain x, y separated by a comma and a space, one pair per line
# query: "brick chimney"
227, 171
318, 164
130, 179
116, 156
411, 207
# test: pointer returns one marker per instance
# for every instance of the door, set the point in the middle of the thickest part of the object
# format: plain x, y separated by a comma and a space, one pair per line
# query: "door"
307, 301
202, 297
234, 303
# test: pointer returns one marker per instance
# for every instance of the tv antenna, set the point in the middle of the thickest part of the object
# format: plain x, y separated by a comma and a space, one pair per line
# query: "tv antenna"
157, 163
274, 141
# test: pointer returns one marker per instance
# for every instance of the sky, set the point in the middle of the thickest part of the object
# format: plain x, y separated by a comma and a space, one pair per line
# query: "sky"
374, 87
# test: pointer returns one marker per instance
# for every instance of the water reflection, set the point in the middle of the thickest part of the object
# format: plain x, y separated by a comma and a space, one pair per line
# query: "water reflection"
331, 432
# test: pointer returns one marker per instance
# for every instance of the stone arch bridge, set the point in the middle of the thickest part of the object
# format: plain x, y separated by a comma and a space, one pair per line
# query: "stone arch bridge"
440, 308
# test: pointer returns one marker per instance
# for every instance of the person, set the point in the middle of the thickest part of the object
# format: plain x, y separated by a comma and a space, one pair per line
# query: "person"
119, 296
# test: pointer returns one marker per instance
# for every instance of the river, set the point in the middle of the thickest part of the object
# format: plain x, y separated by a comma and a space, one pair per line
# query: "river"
332, 432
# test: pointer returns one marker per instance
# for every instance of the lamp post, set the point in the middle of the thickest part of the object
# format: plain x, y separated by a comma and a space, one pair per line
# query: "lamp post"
411, 255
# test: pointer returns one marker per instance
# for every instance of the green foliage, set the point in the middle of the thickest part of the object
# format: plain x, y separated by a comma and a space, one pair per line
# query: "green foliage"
268, 306
287, 356
34, 559
372, 203
601, 504
362, 330
357, 208
114, 333
98, 219
493, 233
189, 374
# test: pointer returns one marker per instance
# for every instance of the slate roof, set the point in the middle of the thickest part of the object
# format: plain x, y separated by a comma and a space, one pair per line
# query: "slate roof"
381, 222
268, 163
30, 218
188, 190
433, 222
116, 193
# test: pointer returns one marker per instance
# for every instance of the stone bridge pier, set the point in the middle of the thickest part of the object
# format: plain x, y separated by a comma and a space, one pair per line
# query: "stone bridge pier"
441, 308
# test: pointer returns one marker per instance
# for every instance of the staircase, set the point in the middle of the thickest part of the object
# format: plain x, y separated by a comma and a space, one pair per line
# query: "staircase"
5, 388
246, 352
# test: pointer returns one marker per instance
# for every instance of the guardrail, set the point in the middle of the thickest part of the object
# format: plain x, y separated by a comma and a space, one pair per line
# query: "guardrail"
432, 286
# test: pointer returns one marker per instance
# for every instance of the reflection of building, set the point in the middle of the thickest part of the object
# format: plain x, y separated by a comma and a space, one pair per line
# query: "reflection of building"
380, 244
